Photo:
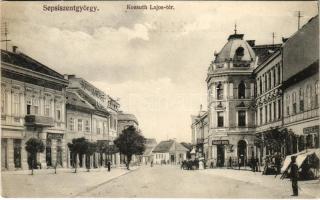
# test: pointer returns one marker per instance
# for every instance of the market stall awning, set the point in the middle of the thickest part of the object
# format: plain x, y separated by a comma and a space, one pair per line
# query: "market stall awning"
301, 156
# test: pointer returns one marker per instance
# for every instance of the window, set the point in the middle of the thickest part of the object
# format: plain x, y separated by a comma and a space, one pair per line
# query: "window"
265, 82
58, 111
239, 53
16, 104
301, 101
94, 125
47, 107
274, 111
87, 126
71, 124
316, 96
294, 103
35, 106
260, 83
309, 96
242, 118
274, 76
98, 127
279, 109
219, 91
3, 101
278, 71
269, 80
288, 104
266, 114
241, 90
220, 119
270, 113
29, 104
80, 125
261, 116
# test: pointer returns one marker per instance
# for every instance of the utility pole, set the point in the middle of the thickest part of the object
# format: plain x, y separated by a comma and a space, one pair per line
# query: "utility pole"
4, 31
299, 17
235, 28
273, 36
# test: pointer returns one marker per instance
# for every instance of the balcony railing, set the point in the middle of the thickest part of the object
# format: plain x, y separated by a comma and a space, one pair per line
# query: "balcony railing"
36, 120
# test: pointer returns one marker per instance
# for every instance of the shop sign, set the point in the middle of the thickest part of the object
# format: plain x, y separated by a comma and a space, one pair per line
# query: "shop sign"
311, 129
54, 136
218, 142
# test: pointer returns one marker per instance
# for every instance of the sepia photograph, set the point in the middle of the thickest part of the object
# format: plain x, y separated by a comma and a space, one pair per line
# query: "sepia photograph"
160, 99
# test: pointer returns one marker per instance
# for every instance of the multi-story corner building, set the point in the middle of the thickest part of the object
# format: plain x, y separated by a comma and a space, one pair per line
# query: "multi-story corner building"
99, 123
32, 105
301, 86
200, 133
231, 102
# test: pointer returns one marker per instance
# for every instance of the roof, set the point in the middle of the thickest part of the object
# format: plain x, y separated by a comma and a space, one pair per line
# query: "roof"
148, 151
74, 99
127, 117
265, 51
22, 60
235, 41
151, 142
166, 146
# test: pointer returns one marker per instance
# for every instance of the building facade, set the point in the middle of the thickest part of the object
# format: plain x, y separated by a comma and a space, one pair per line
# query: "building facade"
99, 123
169, 152
231, 102
32, 105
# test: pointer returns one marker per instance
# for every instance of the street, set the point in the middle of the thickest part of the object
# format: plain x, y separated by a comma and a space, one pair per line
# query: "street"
171, 181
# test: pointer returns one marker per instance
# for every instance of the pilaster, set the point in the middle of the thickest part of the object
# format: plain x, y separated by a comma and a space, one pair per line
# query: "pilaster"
10, 155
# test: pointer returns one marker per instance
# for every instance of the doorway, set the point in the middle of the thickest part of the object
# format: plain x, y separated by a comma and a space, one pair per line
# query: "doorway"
242, 152
17, 153
220, 155
48, 153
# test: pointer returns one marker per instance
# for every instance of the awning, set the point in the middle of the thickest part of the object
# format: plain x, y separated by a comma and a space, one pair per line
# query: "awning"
301, 156
193, 151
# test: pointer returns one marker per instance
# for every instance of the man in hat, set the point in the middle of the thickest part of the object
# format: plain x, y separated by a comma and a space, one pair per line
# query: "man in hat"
294, 174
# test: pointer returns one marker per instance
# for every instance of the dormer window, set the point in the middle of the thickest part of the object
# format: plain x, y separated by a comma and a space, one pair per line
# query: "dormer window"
239, 53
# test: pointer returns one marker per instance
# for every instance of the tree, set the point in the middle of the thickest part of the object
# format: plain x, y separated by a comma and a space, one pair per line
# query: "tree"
78, 147
129, 143
34, 146
91, 148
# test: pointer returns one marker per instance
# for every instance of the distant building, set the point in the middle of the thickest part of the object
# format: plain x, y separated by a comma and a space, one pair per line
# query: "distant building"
32, 105
200, 133
91, 114
147, 156
169, 152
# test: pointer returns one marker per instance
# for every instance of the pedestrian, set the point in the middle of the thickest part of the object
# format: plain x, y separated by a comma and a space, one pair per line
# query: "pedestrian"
257, 164
294, 174
151, 163
253, 164
109, 166
239, 162
277, 162
230, 161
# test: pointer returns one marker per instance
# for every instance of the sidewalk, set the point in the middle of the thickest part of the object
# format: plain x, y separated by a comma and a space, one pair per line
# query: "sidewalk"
308, 189
44, 183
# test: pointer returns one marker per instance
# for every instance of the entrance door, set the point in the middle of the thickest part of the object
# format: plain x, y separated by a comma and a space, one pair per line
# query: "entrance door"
17, 153
220, 155
59, 156
32, 161
48, 153
242, 152
172, 158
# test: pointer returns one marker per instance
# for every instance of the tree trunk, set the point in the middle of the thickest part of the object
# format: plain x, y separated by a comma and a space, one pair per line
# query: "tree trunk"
32, 163
128, 161
76, 164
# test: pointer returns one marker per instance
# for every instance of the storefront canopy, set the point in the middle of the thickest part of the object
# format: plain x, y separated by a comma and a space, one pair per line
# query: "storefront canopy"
301, 156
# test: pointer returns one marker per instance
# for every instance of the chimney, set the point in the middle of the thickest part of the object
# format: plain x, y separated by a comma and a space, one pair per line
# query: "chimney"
252, 43
14, 49
284, 39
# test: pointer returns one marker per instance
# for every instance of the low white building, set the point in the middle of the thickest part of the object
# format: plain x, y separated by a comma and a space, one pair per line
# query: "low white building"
169, 152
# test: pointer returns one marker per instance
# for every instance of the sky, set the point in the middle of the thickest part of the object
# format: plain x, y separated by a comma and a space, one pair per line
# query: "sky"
155, 62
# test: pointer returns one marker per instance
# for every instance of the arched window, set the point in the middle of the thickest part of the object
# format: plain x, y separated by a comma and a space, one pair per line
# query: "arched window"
219, 91
288, 104
239, 53
260, 83
301, 100
241, 90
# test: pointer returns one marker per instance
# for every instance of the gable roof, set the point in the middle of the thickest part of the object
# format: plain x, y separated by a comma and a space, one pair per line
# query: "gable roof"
75, 101
24, 61
168, 146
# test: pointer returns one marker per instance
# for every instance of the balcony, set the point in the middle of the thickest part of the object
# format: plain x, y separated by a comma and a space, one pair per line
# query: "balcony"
36, 120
